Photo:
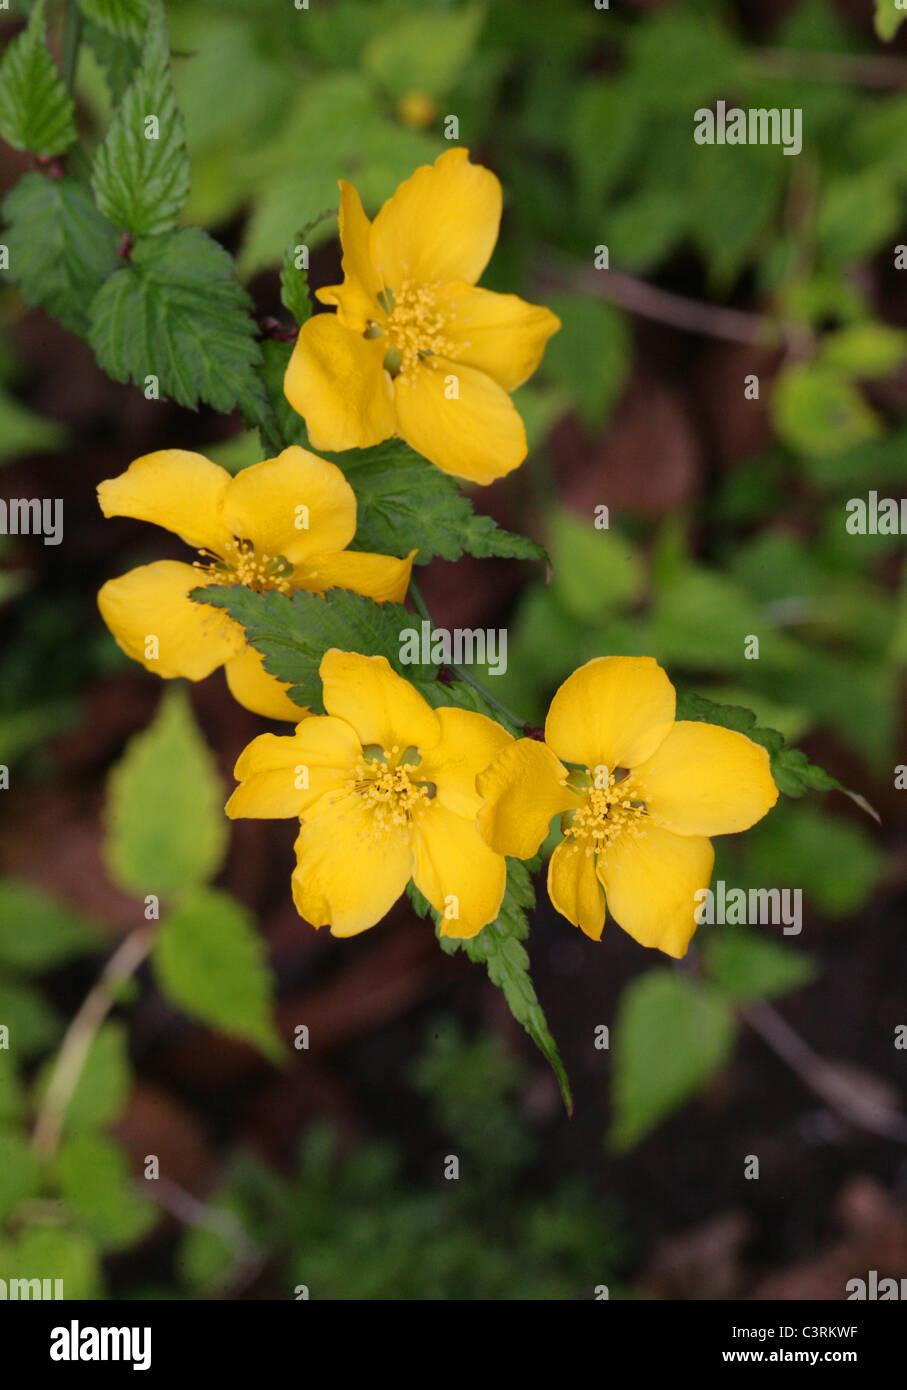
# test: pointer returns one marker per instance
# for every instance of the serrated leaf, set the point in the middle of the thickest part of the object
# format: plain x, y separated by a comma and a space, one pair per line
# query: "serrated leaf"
118, 57
794, 774
36, 110
499, 947
103, 1083
93, 1177
140, 175
746, 965
670, 1035
177, 312
209, 961
38, 931
293, 633
61, 250
166, 831
19, 1170
294, 279
128, 18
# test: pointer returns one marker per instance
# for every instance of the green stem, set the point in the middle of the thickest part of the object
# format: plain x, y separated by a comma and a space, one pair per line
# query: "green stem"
467, 677
72, 37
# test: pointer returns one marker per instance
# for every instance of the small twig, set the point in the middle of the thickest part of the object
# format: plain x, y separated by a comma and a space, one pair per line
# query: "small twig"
862, 69
858, 1105
80, 1035
248, 1259
690, 315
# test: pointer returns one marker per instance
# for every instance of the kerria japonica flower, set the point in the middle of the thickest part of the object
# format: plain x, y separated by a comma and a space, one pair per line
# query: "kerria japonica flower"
415, 348
282, 524
384, 789
638, 794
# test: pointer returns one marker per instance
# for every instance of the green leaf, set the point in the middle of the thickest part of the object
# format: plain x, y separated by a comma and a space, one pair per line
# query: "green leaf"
866, 349
423, 52
671, 1034
177, 312
794, 774
19, 1171
33, 1025
93, 1177
38, 932
594, 571
54, 1252
36, 111
837, 863
294, 286
103, 1083
292, 634
12, 1096
210, 962
817, 409
294, 279
499, 948
747, 965
140, 175
405, 503
22, 431
128, 18
166, 831
888, 19
591, 355
858, 213
61, 250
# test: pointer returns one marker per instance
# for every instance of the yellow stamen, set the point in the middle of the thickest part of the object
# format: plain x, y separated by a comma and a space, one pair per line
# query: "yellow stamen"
606, 813
241, 564
415, 326
387, 781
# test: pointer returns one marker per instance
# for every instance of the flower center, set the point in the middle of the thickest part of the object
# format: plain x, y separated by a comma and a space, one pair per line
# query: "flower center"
241, 564
414, 327
607, 812
387, 780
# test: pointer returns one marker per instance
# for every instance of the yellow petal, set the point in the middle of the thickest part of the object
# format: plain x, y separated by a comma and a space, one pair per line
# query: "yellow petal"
346, 876
468, 743
522, 790
441, 224
337, 382
460, 876
173, 488
150, 605
253, 688
612, 712
574, 888
476, 433
705, 780
498, 334
381, 706
295, 505
284, 776
651, 884
384, 578
356, 298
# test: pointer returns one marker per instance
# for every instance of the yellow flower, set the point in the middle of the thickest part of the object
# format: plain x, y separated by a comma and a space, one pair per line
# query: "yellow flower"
415, 348
384, 788
282, 524
639, 795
